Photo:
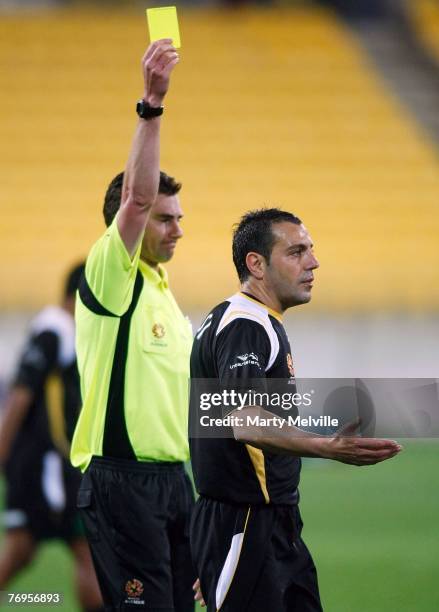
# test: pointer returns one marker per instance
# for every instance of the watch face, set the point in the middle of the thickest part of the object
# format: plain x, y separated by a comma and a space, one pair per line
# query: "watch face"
140, 106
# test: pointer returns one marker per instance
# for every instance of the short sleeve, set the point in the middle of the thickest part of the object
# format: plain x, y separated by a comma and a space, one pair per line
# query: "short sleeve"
242, 350
110, 272
38, 359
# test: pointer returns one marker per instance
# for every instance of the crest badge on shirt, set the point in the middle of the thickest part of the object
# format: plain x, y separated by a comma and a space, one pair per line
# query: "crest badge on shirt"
158, 330
134, 590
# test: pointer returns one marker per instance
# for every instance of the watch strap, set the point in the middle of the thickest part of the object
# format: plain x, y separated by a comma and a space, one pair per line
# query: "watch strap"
146, 111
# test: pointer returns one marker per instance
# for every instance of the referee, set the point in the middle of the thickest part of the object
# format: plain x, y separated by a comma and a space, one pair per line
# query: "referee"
133, 346
246, 526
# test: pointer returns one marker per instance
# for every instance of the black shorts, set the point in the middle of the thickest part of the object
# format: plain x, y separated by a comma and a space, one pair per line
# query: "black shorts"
252, 558
136, 516
41, 490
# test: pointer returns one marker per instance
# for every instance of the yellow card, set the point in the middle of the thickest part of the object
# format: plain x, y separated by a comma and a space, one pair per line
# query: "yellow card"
163, 23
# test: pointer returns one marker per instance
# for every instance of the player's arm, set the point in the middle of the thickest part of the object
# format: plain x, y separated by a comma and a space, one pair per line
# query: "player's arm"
142, 173
16, 408
245, 337
290, 440
38, 359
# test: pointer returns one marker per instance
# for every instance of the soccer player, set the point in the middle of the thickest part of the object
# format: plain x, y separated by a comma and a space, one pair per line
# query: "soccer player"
133, 347
40, 414
246, 527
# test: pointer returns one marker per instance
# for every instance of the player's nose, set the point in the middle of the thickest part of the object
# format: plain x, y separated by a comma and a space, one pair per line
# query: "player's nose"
176, 231
312, 263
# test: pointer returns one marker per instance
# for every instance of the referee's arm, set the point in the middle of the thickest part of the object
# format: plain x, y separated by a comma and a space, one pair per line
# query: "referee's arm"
290, 440
142, 173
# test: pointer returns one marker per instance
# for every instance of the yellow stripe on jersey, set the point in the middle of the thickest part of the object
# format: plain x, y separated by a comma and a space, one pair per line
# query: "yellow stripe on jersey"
275, 314
257, 459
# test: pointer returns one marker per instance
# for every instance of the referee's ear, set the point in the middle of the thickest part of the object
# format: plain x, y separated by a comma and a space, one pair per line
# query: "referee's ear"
256, 264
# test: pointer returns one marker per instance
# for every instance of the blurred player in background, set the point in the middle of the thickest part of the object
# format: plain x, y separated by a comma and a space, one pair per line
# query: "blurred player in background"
133, 347
246, 529
38, 422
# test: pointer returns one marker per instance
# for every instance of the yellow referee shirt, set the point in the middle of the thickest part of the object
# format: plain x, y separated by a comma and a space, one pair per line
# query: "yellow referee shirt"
133, 346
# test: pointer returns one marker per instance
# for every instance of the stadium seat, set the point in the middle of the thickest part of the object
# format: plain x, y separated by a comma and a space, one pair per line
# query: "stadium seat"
268, 107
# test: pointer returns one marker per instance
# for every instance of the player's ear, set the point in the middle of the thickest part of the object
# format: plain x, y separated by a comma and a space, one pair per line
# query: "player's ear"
255, 264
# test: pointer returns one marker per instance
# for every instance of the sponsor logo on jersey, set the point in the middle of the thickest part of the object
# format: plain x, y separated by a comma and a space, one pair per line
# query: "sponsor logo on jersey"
247, 356
245, 360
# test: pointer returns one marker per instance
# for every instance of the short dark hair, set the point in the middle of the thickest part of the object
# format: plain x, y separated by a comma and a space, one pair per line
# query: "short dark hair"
168, 186
73, 278
254, 233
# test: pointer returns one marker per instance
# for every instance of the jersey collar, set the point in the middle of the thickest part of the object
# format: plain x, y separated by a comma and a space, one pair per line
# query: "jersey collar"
273, 313
157, 277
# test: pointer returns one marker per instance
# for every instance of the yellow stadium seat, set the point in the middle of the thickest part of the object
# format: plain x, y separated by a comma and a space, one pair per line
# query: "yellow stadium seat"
268, 107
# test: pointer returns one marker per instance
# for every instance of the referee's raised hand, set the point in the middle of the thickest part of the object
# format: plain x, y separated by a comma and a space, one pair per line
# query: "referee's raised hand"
157, 64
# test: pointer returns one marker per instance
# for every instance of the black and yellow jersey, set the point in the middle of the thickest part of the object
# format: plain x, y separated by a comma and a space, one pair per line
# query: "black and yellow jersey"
48, 368
241, 339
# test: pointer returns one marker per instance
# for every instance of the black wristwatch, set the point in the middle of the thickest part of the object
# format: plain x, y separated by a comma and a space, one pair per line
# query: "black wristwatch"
145, 111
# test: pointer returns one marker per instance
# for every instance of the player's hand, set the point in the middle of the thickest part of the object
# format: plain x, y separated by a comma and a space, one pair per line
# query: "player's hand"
346, 448
157, 64
198, 594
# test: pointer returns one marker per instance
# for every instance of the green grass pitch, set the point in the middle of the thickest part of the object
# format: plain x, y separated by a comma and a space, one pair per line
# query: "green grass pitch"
373, 533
